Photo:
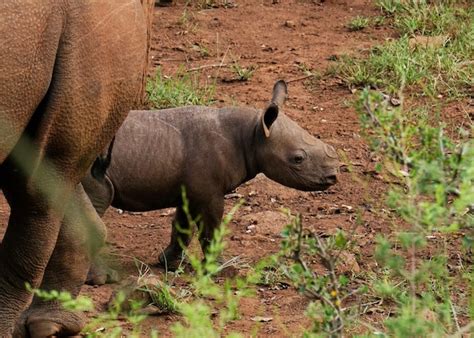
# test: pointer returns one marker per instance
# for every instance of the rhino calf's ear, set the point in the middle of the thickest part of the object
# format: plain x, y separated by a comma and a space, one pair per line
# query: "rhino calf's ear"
268, 117
280, 93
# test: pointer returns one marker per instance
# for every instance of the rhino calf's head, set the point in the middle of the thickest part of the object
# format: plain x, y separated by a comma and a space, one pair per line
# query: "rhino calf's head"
288, 154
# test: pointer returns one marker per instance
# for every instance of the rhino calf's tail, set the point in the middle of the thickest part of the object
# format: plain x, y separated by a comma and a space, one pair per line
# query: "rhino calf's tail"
102, 162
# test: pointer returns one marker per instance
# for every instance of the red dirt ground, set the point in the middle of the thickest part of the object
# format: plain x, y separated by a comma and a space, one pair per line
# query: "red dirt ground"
279, 39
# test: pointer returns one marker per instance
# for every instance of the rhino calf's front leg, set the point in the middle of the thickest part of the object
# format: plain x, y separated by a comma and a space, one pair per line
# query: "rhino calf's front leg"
211, 216
208, 216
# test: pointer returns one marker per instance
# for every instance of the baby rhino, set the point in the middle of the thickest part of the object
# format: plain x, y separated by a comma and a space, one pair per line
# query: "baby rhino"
210, 152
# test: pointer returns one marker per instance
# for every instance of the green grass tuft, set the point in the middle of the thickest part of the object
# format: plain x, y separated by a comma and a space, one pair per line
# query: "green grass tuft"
433, 56
358, 23
182, 89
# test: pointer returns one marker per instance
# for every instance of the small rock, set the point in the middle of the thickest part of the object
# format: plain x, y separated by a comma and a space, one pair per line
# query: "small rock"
233, 196
348, 208
268, 48
395, 102
290, 24
262, 319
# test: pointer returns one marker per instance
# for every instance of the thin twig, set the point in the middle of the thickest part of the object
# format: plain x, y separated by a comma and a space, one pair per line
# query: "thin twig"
365, 305
301, 78
215, 65
455, 315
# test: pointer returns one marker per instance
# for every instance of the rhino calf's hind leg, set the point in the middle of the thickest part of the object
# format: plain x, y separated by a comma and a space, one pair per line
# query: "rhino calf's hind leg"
101, 193
101, 272
181, 235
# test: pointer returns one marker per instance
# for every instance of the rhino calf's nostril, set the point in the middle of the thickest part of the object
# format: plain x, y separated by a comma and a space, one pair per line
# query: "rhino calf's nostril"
331, 179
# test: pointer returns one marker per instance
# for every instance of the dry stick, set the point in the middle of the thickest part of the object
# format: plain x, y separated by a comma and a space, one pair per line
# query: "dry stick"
455, 315
465, 329
223, 58
215, 65
301, 78
365, 306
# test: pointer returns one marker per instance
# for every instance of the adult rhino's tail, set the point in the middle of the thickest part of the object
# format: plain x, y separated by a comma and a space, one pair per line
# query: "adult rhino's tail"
102, 162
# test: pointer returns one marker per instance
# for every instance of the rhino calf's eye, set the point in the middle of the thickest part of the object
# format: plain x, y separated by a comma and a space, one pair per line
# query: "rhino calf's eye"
298, 159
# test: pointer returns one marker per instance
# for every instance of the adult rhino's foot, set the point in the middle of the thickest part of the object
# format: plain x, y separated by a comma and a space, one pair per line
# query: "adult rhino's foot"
42, 322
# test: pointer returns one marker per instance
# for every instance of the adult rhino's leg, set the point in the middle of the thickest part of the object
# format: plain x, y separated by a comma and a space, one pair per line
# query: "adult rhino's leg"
98, 77
29, 240
82, 231
25, 76
181, 235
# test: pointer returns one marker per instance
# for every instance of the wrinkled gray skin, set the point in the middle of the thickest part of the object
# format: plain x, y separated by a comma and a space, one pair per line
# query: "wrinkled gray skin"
210, 152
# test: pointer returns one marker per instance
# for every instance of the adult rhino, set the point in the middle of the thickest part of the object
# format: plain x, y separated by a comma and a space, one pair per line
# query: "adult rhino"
70, 70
